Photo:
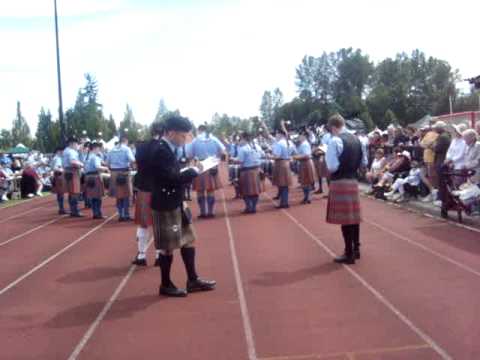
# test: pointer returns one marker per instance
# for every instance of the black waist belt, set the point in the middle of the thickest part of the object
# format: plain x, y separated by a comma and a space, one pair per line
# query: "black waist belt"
305, 159
282, 159
70, 169
92, 173
120, 170
249, 168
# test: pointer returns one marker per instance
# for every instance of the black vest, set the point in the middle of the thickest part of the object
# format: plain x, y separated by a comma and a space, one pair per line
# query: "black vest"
350, 159
143, 179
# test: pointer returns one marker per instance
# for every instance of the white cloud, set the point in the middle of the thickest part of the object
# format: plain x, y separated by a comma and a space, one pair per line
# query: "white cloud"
203, 60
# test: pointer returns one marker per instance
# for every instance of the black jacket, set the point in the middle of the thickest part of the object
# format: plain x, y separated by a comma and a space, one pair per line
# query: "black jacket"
143, 178
167, 181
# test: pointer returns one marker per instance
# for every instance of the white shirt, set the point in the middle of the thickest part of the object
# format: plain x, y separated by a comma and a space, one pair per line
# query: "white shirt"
456, 153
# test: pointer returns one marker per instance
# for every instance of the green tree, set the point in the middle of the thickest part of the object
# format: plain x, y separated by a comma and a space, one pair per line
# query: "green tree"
128, 126
46, 136
266, 108
162, 110
6, 140
20, 129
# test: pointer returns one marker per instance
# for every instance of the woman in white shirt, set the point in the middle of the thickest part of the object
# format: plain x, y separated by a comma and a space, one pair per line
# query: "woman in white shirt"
458, 148
376, 168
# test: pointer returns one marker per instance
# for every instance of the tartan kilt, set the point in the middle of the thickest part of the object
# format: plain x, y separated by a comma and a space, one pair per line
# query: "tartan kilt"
60, 187
169, 232
306, 173
143, 210
73, 186
282, 175
250, 184
343, 206
321, 167
120, 191
207, 182
96, 192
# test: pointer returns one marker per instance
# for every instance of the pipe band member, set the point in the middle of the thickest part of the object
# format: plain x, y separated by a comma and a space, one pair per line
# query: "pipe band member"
306, 173
282, 176
94, 188
59, 186
345, 155
119, 161
171, 221
206, 145
72, 167
144, 185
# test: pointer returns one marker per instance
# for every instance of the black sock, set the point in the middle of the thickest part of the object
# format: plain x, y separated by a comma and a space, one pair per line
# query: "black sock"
347, 231
165, 266
188, 256
356, 237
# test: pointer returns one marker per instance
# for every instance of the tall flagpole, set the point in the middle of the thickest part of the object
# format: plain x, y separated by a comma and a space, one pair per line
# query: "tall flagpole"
59, 77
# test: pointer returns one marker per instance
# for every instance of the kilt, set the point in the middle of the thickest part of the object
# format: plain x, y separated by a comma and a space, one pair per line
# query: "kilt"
73, 186
250, 184
282, 175
60, 185
120, 191
169, 232
207, 182
306, 173
321, 167
343, 206
143, 210
97, 191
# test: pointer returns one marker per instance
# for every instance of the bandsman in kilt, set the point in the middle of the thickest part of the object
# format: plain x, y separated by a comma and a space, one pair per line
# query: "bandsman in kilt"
59, 186
345, 155
144, 184
171, 221
306, 172
250, 182
72, 168
206, 145
120, 159
94, 190
233, 168
282, 176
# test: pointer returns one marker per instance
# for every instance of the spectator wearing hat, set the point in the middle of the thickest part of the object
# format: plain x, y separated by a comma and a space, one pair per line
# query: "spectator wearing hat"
427, 143
455, 157
472, 154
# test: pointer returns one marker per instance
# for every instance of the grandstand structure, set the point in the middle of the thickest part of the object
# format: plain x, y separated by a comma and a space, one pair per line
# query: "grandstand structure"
469, 118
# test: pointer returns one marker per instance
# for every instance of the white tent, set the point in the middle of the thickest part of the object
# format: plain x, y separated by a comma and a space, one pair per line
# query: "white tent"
110, 144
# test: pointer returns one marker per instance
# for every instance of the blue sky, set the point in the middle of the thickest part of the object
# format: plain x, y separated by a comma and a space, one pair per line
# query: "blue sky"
207, 56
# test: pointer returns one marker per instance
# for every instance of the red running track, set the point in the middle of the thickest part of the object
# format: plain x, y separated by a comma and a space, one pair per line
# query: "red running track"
414, 294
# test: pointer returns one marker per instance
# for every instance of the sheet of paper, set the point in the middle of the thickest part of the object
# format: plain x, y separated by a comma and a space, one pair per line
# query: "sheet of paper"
209, 163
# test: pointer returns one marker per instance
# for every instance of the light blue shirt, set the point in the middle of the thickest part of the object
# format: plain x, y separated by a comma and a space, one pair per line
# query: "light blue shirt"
57, 163
205, 146
94, 162
335, 150
248, 156
281, 150
326, 138
120, 157
70, 155
304, 149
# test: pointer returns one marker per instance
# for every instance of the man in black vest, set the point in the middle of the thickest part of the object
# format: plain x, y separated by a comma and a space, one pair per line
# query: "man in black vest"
171, 221
345, 155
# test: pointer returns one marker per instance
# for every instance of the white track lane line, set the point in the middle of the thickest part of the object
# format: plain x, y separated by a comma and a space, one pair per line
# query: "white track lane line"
21, 214
31, 231
89, 333
54, 256
438, 349
247, 325
22, 202
425, 248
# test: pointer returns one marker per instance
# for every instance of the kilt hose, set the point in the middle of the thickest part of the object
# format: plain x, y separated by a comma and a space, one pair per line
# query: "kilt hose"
94, 188
343, 206
60, 185
143, 210
207, 182
250, 183
306, 173
321, 167
169, 232
120, 191
72, 179
282, 175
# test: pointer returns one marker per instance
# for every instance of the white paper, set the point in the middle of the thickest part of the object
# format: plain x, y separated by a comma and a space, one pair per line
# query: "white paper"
209, 163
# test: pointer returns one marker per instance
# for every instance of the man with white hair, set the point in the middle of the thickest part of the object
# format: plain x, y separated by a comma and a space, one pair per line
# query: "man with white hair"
455, 157
472, 155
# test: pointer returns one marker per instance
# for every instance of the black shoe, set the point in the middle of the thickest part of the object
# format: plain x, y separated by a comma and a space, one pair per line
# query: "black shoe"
99, 217
305, 201
282, 206
157, 262
139, 262
276, 198
444, 214
349, 260
76, 215
319, 191
210, 216
172, 291
128, 218
201, 216
200, 285
62, 212
121, 219
356, 255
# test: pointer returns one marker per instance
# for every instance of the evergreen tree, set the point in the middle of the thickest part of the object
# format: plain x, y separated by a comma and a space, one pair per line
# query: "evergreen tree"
45, 136
162, 111
129, 127
6, 140
20, 129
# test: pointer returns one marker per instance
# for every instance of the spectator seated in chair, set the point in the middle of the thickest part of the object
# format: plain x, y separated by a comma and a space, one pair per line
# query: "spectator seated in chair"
375, 172
6, 185
409, 184
30, 184
398, 165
